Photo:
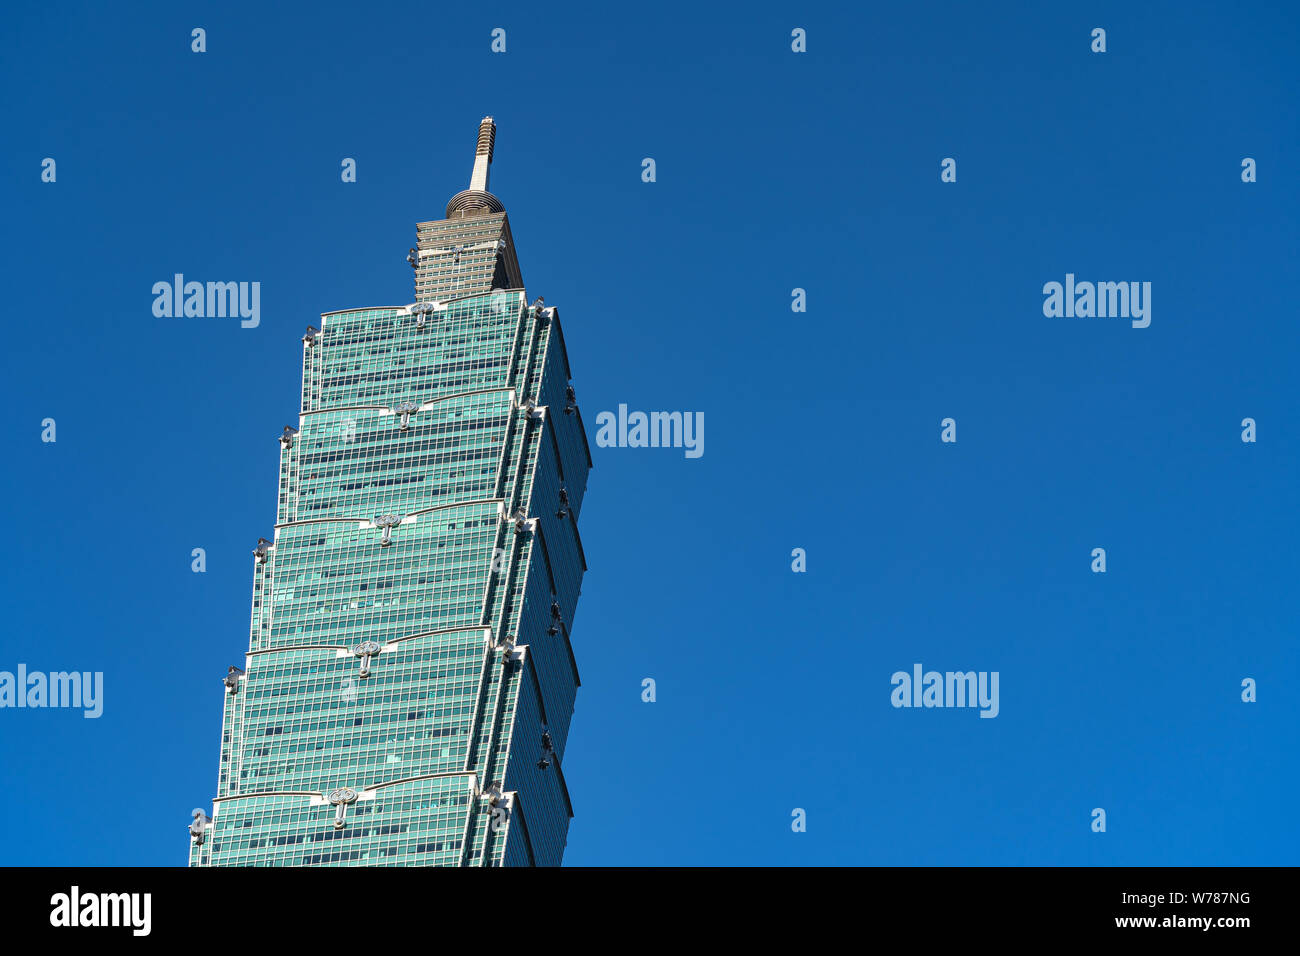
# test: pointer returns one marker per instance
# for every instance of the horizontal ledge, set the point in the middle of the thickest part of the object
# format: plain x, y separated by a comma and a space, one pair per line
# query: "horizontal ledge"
348, 647
402, 308
424, 405
411, 514
319, 794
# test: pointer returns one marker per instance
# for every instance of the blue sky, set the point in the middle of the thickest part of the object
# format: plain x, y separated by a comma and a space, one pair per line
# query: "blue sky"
775, 171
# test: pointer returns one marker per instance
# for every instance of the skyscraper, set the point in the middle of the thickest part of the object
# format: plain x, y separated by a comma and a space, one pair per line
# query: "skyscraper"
409, 681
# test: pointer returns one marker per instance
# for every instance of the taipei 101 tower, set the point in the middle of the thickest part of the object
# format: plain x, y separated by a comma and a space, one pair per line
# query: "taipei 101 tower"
410, 678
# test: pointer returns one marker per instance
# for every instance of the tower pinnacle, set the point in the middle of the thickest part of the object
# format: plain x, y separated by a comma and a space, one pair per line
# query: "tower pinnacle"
487, 137
477, 201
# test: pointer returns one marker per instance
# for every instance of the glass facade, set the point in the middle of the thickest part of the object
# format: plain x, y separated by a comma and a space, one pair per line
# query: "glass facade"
407, 692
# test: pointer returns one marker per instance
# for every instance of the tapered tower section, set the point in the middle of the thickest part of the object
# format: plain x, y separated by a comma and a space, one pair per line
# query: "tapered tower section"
410, 676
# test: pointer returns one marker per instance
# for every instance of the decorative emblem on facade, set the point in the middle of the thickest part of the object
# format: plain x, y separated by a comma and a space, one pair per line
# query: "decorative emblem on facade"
548, 751
198, 829
406, 410
365, 651
231, 680
422, 310
388, 523
341, 798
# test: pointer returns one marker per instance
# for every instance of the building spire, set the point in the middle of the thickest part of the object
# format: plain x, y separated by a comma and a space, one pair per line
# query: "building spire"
477, 201
487, 137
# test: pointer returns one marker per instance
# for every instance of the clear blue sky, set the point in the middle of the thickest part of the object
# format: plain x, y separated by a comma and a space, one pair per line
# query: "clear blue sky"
775, 171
